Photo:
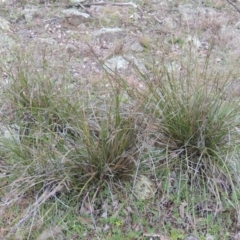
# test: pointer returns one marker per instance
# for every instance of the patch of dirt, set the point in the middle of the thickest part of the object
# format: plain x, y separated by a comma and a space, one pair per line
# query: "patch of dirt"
81, 36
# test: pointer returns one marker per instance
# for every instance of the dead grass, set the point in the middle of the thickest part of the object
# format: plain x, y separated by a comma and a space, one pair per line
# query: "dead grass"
80, 139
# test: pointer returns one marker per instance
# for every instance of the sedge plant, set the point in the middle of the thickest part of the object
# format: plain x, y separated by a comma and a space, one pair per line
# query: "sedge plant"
195, 126
67, 141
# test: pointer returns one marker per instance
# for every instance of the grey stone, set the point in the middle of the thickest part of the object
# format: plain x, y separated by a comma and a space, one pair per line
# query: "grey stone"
194, 42
4, 25
210, 237
29, 14
49, 41
191, 13
10, 133
109, 34
75, 2
6, 41
119, 63
188, 11
191, 238
237, 236
133, 47
75, 17
116, 63
169, 23
237, 25
135, 16
137, 63
232, 90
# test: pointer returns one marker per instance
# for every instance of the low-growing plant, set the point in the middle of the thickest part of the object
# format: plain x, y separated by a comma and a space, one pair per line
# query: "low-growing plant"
108, 148
74, 147
79, 144
195, 125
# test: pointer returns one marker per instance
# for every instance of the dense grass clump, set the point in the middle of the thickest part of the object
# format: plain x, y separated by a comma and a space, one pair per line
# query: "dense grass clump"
65, 140
107, 152
80, 149
195, 125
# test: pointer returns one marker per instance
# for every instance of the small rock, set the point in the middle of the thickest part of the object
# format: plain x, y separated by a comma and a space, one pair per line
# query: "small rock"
209, 237
71, 49
169, 23
75, 2
137, 64
145, 41
135, 16
10, 133
5, 40
49, 41
191, 238
188, 12
232, 90
133, 47
194, 42
109, 34
29, 14
116, 63
75, 17
237, 236
144, 188
4, 25
49, 233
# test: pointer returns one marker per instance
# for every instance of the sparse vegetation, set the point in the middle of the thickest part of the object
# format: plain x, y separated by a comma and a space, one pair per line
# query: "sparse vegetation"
79, 151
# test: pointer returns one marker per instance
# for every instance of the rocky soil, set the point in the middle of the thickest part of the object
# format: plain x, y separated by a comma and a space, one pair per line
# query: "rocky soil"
79, 39
80, 34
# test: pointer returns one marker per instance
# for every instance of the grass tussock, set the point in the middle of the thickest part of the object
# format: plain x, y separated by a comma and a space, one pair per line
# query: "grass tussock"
65, 141
195, 125
73, 145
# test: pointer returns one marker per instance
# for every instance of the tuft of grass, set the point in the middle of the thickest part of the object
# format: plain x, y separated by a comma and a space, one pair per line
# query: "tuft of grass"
73, 151
108, 149
193, 123
69, 141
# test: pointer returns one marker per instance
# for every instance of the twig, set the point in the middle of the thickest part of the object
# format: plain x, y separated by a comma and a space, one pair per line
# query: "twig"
82, 6
86, 5
112, 4
157, 19
230, 2
108, 3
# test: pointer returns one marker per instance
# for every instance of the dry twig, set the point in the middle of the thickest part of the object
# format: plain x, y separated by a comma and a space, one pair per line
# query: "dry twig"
230, 2
85, 5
